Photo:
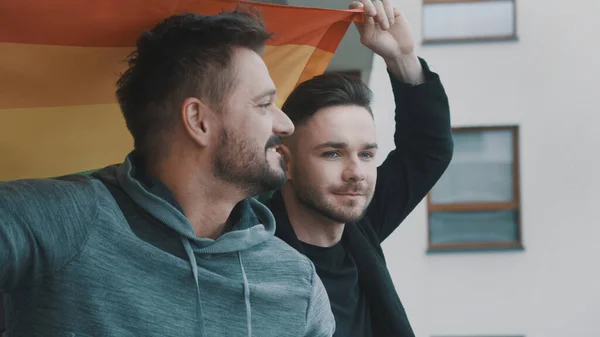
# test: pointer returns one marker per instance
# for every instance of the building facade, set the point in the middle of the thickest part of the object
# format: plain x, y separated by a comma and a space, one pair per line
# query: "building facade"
540, 80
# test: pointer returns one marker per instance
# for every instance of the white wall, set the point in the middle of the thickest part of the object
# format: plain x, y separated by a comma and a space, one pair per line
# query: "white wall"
547, 82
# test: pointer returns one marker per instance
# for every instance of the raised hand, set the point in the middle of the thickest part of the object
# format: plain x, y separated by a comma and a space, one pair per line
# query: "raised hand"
387, 33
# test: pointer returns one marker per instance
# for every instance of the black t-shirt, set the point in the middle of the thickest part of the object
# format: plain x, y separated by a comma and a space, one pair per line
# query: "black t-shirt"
336, 268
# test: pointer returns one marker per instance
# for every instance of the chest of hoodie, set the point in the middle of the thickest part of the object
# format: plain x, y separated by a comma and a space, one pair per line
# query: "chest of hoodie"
143, 275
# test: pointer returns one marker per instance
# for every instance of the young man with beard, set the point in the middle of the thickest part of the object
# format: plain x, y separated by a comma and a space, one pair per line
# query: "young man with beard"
338, 206
168, 242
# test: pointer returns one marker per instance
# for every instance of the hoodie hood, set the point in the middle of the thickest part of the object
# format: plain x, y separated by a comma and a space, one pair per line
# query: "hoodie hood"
252, 224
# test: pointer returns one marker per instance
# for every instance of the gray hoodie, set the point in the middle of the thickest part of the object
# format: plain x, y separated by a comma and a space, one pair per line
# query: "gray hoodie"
71, 264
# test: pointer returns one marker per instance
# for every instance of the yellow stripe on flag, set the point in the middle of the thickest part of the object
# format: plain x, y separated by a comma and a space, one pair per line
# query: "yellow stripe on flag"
58, 111
46, 142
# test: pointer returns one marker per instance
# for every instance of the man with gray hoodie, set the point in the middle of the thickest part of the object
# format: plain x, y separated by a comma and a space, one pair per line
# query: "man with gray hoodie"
168, 243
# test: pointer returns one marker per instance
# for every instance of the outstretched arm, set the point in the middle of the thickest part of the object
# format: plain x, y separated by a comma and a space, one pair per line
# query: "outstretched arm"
43, 224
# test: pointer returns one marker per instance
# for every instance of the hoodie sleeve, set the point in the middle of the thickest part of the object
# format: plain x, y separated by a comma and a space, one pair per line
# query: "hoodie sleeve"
43, 224
319, 317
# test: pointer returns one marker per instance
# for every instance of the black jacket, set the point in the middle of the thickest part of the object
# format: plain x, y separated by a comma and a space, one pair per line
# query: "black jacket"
424, 147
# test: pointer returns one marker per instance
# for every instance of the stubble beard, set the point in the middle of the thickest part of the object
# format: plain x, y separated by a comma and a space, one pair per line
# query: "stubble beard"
315, 200
244, 164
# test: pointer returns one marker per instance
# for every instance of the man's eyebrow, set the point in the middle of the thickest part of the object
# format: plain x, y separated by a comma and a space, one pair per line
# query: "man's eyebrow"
335, 145
341, 145
267, 93
368, 146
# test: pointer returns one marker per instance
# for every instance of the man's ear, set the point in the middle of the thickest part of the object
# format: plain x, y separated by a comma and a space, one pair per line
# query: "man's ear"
197, 120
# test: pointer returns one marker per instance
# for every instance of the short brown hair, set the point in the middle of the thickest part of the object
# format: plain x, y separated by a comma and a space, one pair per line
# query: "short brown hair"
323, 91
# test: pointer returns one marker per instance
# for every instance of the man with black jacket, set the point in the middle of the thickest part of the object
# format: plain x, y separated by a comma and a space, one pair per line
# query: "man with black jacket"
337, 205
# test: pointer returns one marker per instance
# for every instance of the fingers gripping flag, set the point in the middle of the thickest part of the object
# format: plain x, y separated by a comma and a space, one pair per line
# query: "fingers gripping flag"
60, 60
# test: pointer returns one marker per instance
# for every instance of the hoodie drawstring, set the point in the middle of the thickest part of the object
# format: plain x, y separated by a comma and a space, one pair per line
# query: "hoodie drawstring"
246, 296
192, 259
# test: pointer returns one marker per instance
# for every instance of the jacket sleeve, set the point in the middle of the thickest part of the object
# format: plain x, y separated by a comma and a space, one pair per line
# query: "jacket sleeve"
423, 141
43, 224
320, 321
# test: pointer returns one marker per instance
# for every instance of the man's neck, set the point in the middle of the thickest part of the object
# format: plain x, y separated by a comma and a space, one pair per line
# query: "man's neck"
310, 226
206, 203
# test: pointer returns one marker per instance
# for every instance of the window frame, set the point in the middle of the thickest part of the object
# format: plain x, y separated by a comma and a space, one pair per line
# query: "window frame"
514, 205
483, 38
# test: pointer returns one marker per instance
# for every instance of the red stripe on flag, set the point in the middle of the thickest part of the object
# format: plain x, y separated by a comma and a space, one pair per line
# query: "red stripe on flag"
118, 23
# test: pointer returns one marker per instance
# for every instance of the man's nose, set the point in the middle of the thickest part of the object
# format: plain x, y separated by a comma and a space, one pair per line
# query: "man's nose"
282, 124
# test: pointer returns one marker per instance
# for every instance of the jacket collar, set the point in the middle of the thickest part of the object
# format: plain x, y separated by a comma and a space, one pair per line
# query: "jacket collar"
283, 229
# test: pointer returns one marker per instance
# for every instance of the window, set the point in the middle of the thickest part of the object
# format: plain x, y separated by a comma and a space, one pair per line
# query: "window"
475, 204
468, 20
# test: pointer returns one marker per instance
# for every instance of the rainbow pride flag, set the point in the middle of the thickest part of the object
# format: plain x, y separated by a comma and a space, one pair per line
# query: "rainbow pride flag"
60, 60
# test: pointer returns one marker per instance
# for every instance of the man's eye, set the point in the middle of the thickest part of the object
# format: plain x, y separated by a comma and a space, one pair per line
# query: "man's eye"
331, 154
367, 155
266, 105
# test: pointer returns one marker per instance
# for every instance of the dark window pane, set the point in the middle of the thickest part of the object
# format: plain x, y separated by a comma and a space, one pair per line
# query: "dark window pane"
470, 227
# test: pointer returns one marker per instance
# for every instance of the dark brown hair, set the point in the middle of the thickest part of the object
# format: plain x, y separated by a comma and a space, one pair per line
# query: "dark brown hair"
186, 55
326, 90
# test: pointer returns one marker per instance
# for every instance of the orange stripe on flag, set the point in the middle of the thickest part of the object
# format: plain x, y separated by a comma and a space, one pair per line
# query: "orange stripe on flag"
319, 60
49, 76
